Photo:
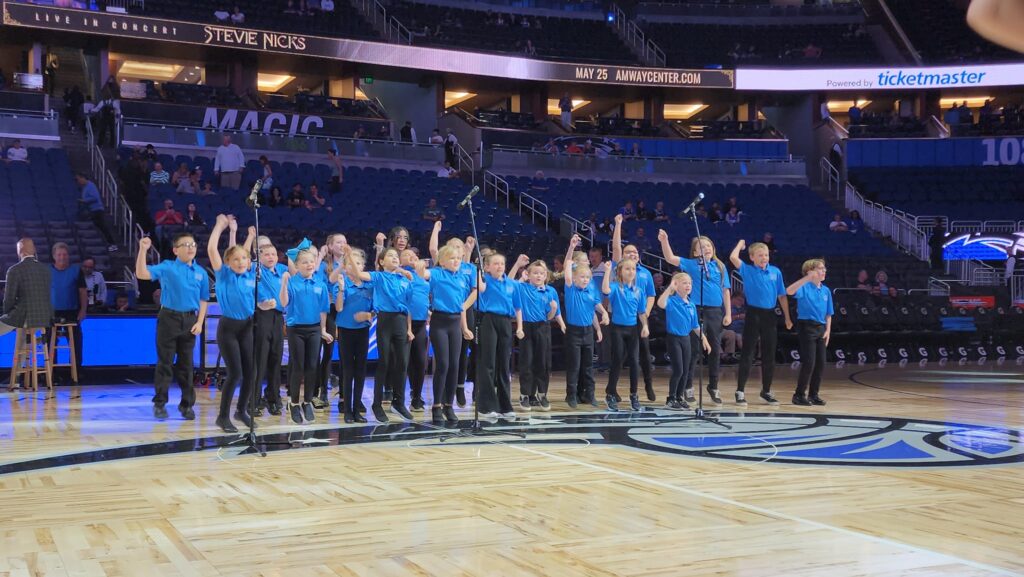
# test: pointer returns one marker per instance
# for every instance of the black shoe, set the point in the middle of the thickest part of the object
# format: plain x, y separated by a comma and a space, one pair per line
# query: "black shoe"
672, 403
187, 413
245, 419
769, 398
816, 400
534, 402
688, 396
650, 392
226, 425
713, 393
360, 407
417, 405
683, 404
524, 402
319, 404
296, 411
359, 418
349, 418
400, 410
275, 408
341, 407
307, 412
460, 396
618, 399
613, 405
160, 411
545, 404
634, 402
450, 418
262, 403
436, 416
570, 400
379, 414
801, 400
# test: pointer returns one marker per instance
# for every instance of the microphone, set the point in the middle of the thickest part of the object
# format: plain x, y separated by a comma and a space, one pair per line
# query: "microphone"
465, 201
700, 197
253, 200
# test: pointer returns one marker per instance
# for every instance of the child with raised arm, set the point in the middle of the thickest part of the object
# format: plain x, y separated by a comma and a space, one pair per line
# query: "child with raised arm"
814, 310
682, 328
583, 328
499, 306
269, 346
645, 282
354, 306
763, 287
540, 308
467, 355
626, 299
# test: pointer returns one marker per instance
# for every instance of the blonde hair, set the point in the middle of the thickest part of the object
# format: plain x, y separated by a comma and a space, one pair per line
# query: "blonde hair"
681, 276
757, 246
229, 253
354, 253
310, 252
489, 254
539, 263
811, 264
446, 252
580, 257
619, 268
694, 252
582, 269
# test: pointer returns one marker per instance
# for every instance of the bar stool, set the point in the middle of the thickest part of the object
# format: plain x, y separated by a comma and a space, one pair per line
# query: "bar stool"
29, 345
68, 332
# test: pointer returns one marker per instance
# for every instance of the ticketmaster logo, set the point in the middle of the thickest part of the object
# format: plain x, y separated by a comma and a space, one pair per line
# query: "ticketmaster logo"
917, 79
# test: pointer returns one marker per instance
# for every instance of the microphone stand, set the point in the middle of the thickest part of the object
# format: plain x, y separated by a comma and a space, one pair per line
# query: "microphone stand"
477, 428
698, 411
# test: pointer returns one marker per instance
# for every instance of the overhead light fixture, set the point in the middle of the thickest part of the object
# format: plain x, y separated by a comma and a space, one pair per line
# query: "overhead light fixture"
844, 105
577, 103
972, 101
272, 82
683, 111
451, 98
149, 70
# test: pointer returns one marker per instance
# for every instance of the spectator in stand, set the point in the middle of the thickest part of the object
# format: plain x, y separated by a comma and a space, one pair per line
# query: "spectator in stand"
297, 198
635, 150
229, 163
538, 182
73, 108
732, 217
168, 220
605, 226
565, 105
268, 174
432, 212
149, 153
193, 219
384, 133
855, 113
159, 175
95, 284
591, 221
17, 152
26, 297
337, 171
276, 198
408, 133
435, 138
573, 148
811, 51
122, 304
207, 190
627, 211
769, 241
529, 49
855, 223
237, 17
3, 79
838, 224
221, 15
862, 281
588, 147
641, 211
935, 246
733, 203
715, 214
732, 336
92, 202
316, 201
640, 240
68, 294
451, 147
190, 185
659, 212
181, 174
882, 286
447, 171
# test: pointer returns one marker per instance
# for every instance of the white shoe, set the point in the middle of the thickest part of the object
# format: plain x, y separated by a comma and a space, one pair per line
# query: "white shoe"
511, 415
491, 416
741, 398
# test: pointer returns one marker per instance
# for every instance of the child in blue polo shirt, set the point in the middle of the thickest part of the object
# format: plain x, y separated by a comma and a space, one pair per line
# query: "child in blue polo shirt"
499, 305
763, 287
236, 288
306, 300
419, 313
582, 330
354, 304
627, 300
540, 308
681, 322
269, 319
185, 292
814, 312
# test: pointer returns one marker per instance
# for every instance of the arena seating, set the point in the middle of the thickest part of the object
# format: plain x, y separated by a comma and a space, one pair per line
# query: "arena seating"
939, 31
748, 8
616, 126
886, 126
700, 45
345, 21
505, 119
39, 200
560, 38
961, 193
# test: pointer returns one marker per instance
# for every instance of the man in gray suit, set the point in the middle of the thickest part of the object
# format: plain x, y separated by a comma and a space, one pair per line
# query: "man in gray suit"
27, 297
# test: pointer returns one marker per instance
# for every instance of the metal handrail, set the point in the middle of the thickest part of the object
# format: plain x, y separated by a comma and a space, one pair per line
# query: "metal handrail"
788, 160
904, 39
535, 206
829, 174
500, 187
941, 126
581, 228
466, 162
650, 52
897, 225
114, 205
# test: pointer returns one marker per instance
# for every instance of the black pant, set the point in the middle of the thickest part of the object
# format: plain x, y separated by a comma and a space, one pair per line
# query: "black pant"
579, 358
234, 339
418, 360
679, 354
69, 316
100, 221
624, 349
467, 355
643, 354
303, 356
760, 326
446, 337
493, 384
174, 345
392, 356
269, 348
353, 345
712, 317
535, 359
812, 357
326, 352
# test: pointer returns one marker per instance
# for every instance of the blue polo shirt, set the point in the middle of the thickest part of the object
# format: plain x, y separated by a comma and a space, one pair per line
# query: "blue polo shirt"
64, 287
270, 284
627, 302
390, 292
814, 303
307, 298
91, 197
762, 287
469, 271
680, 316
358, 299
182, 286
322, 274
712, 283
580, 304
419, 297
448, 290
501, 296
235, 293
537, 302
644, 280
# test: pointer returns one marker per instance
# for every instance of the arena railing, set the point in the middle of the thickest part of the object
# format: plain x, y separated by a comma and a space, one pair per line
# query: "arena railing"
577, 226
647, 49
829, 175
895, 30
497, 187
30, 125
115, 206
377, 14
897, 225
537, 209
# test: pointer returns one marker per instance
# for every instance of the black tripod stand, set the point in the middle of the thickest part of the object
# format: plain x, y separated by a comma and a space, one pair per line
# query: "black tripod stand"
698, 411
476, 429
